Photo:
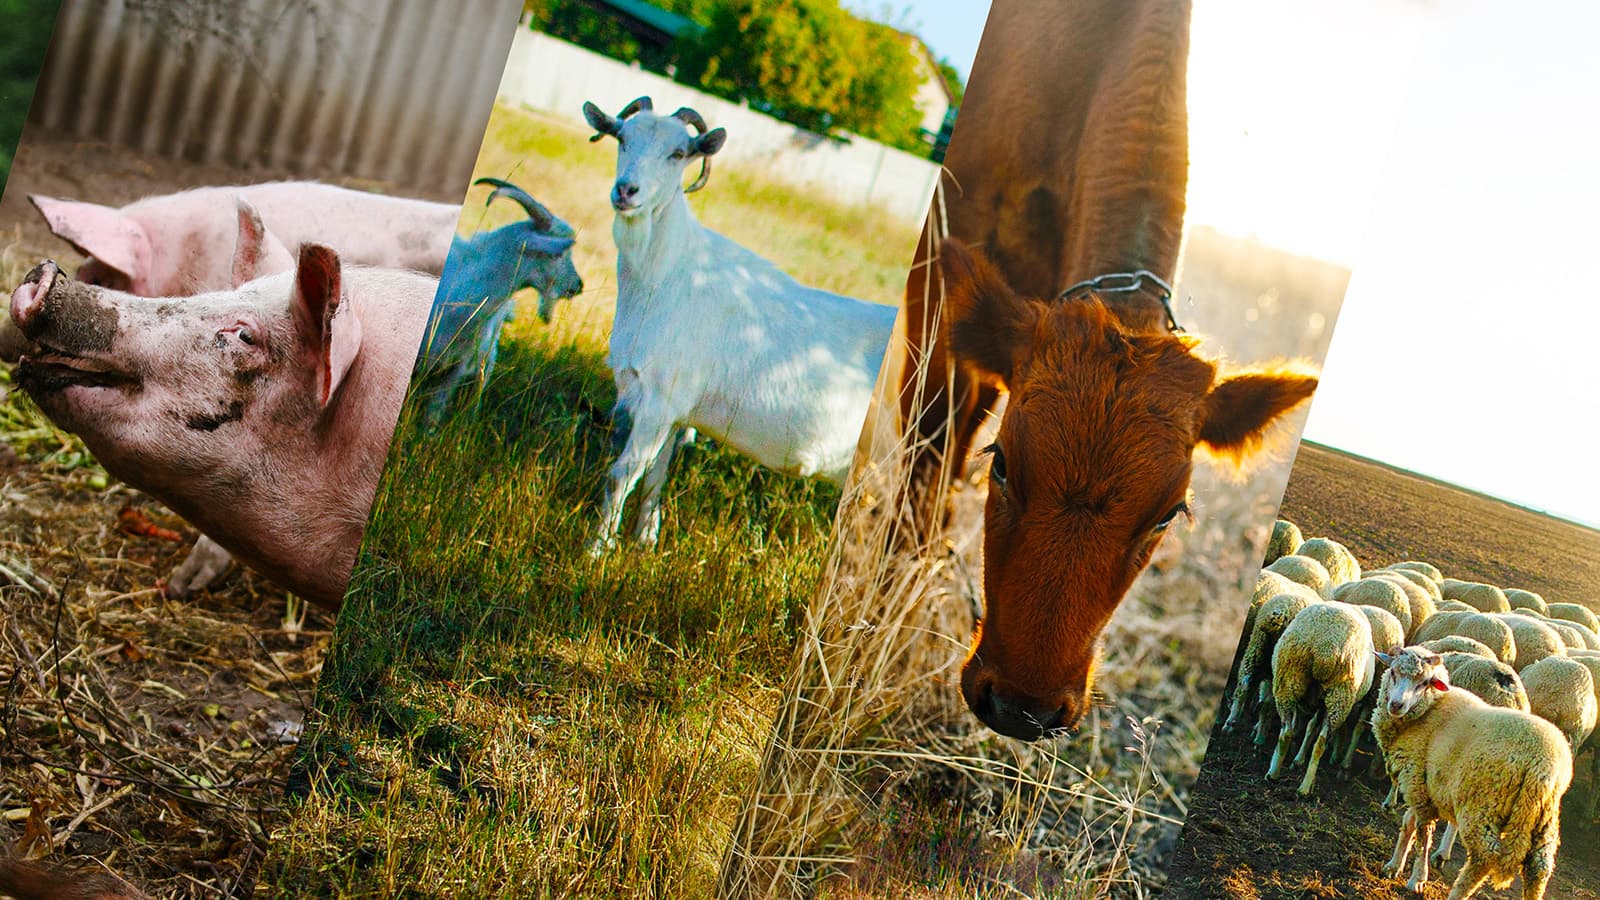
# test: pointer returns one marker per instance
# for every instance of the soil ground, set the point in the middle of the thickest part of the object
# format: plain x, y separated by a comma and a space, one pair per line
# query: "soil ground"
1250, 839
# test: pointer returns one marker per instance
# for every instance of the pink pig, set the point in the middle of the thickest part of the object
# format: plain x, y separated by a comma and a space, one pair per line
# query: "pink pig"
262, 414
176, 245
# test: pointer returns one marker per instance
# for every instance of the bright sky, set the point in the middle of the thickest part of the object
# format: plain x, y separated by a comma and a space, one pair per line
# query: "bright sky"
950, 28
1466, 344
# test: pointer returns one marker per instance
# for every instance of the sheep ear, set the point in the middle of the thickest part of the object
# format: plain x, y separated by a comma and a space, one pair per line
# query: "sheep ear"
1439, 684
1383, 657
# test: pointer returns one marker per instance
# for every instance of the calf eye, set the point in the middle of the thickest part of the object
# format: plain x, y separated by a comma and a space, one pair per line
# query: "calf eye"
1172, 514
997, 463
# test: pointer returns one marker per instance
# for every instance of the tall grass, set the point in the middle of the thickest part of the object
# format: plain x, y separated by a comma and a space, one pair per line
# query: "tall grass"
878, 782
501, 714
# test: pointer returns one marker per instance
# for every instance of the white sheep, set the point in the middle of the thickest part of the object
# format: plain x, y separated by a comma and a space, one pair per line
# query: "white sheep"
1574, 612
1423, 605
1285, 537
1493, 633
1482, 597
1386, 632
1498, 774
1454, 606
1382, 593
1334, 556
1455, 643
1325, 654
1521, 599
1494, 682
1573, 634
710, 335
1414, 565
1534, 639
1271, 618
1303, 570
1590, 659
1561, 691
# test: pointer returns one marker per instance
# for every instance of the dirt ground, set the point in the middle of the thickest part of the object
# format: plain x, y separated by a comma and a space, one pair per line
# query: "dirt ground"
147, 736
1247, 838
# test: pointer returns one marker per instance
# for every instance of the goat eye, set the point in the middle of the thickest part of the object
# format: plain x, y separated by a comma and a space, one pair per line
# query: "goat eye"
997, 463
678, 154
1172, 514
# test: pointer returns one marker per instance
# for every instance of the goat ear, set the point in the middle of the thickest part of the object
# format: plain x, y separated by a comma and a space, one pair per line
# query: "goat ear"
709, 143
989, 323
1241, 409
600, 121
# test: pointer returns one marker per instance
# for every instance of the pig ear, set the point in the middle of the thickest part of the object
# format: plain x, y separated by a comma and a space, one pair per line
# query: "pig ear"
258, 252
329, 330
99, 231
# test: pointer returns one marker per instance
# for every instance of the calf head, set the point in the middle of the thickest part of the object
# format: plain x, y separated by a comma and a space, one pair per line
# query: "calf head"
177, 394
171, 246
1090, 468
652, 153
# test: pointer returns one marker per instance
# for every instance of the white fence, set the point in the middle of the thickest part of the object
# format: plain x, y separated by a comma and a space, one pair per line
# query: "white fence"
556, 77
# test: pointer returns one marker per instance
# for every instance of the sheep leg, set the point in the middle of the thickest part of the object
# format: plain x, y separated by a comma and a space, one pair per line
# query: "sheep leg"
645, 441
1338, 700
1309, 782
1419, 869
1265, 710
1312, 724
1241, 693
1402, 845
647, 527
1473, 874
1594, 784
1540, 862
1447, 845
1285, 741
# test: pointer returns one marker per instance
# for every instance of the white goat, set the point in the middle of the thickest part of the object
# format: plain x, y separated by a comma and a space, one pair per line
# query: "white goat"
710, 335
475, 292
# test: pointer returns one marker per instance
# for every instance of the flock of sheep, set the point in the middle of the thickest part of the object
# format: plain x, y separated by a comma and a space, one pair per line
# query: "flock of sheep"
1475, 699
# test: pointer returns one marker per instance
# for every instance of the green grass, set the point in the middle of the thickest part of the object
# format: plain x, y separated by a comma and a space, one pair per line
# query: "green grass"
502, 715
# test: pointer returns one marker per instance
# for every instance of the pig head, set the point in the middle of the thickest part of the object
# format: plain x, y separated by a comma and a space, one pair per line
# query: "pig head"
175, 246
262, 414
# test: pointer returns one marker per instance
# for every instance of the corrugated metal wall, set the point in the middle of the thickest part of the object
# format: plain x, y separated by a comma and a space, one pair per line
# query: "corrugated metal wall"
394, 90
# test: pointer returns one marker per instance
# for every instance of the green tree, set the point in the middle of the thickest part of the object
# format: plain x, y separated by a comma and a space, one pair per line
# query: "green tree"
25, 27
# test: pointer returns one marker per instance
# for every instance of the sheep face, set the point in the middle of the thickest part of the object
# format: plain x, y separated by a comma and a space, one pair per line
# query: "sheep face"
652, 153
1414, 677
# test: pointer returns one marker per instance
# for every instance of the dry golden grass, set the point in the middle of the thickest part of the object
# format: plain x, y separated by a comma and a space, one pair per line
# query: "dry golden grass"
878, 782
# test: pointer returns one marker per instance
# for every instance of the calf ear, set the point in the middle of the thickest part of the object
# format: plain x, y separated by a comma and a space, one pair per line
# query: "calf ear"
1240, 409
330, 331
101, 232
257, 252
989, 324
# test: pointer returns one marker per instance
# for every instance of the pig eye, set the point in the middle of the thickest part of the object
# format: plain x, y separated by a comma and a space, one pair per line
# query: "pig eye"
246, 336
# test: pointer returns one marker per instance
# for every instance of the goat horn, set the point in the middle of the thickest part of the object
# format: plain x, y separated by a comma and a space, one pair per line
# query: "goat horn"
690, 117
542, 219
641, 103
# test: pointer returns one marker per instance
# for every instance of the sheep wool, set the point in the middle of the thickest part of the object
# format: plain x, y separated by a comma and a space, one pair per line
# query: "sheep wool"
1303, 570
1574, 612
1479, 596
1455, 643
1415, 565
1379, 592
1561, 691
1534, 639
1325, 652
1334, 556
1285, 537
1521, 599
1498, 774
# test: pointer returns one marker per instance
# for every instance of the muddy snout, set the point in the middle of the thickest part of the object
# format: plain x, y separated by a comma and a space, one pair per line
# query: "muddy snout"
65, 314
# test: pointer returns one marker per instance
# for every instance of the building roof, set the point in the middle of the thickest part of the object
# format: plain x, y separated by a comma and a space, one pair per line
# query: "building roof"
668, 23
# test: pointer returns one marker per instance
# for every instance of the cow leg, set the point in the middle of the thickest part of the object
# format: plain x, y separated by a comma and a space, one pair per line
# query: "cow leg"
206, 563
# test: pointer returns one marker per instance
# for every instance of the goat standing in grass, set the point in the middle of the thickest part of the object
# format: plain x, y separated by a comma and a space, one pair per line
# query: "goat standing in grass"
475, 292
708, 334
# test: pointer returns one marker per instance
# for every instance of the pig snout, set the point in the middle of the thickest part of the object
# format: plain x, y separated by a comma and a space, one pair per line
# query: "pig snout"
27, 301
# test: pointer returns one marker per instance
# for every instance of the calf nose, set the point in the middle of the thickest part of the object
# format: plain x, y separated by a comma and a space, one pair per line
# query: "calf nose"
1023, 717
27, 301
